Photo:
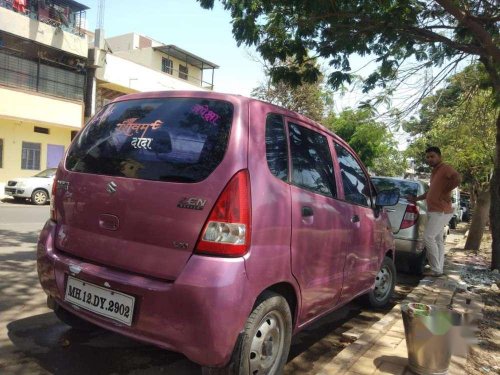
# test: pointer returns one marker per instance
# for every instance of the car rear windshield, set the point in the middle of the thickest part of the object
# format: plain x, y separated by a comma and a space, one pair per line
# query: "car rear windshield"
169, 139
405, 187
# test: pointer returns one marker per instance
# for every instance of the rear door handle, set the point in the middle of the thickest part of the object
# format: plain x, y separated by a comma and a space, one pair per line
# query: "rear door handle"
307, 211
355, 219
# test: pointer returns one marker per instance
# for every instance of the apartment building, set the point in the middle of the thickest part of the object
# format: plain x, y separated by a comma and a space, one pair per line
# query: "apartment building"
135, 63
54, 76
43, 55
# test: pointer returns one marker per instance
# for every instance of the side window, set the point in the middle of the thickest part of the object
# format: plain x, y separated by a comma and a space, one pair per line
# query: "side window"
276, 147
312, 166
356, 185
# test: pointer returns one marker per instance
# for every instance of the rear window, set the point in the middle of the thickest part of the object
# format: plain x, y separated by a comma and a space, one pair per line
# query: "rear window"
405, 187
170, 139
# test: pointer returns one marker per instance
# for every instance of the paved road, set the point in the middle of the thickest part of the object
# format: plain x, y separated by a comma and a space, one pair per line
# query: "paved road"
34, 341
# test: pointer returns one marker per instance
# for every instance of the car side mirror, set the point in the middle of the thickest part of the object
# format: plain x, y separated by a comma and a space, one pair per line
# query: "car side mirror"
388, 197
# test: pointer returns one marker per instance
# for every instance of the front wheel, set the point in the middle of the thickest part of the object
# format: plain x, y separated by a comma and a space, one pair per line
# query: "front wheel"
39, 197
265, 342
385, 281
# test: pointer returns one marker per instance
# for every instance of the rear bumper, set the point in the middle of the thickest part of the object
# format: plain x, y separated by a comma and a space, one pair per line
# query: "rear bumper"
200, 314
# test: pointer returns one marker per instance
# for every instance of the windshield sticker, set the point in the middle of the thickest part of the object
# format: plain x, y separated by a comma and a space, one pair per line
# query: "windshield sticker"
205, 113
144, 143
129, 127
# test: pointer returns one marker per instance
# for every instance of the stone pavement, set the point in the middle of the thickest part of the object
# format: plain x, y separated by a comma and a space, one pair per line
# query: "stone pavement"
382, 348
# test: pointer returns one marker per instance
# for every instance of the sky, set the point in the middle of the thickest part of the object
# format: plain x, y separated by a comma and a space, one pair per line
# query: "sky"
208, 34
184, 23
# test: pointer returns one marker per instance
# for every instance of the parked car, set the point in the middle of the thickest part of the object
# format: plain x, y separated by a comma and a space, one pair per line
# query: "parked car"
37, 188
466, 210
457, 210
213, 225
408, 221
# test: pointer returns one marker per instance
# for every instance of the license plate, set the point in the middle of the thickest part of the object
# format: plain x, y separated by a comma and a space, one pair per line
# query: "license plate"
106, 302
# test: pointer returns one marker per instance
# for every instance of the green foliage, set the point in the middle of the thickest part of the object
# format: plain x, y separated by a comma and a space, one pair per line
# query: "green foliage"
460, 120
309, 99
371, 140
430, 32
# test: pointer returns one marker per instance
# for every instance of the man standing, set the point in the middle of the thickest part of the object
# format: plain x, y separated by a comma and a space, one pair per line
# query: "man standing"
439, 209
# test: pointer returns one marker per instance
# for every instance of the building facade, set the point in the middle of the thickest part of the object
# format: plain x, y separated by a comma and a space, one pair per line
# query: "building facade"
43, 54
135, 63
54, 76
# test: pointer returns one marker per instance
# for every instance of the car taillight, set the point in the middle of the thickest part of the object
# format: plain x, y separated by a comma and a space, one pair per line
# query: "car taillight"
411, 216
227, 230
53, 215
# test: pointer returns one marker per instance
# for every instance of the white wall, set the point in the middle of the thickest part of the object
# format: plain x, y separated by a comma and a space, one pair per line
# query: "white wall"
136, 77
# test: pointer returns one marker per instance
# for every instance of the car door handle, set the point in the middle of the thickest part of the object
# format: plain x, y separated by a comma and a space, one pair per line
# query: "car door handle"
355, 219
307, 211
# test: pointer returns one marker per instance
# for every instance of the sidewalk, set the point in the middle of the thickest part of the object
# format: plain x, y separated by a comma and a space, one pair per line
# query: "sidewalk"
382, 348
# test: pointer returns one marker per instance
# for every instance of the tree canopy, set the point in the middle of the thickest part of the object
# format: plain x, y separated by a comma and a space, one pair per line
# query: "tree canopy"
308, 99
449, 118
371, 140
431, 32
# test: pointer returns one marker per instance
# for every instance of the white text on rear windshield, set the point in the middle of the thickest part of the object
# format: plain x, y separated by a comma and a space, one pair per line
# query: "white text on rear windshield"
170, 139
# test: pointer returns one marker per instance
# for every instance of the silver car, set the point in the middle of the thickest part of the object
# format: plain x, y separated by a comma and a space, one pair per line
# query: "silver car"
38, 188
408, 221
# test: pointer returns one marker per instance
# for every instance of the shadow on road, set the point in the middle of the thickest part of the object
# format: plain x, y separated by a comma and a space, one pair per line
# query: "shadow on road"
59, 349
15, 238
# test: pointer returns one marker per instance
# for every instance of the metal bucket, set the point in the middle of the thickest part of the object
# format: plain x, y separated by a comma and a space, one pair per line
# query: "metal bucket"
429, 333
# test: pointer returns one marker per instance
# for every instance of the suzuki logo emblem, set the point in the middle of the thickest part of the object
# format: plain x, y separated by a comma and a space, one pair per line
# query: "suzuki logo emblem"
111, 188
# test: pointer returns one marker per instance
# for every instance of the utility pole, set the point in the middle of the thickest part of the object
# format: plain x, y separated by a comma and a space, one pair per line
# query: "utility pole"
100, 14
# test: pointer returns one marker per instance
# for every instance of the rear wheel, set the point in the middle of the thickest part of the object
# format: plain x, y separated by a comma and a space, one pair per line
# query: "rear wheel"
39, 197
385, 281
453, 223
417, 263
265, 343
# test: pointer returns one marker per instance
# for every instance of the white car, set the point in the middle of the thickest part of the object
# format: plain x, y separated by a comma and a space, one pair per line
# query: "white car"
37, 188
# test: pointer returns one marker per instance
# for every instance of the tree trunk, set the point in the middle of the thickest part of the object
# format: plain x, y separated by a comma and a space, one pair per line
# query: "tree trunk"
495, 204
479, 219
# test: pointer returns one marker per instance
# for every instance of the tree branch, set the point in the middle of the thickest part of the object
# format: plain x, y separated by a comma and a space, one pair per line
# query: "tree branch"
482, 36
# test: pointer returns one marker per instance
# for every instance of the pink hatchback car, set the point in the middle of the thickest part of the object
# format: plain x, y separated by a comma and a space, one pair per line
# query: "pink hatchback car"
213, 225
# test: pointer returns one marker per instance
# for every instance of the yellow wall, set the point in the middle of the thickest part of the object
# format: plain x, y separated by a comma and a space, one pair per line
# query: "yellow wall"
20, 104
14, 132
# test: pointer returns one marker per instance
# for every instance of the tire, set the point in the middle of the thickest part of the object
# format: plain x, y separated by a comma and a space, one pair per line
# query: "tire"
453, 223
264, 345
417, 263
73, 321
385, 281
39, 197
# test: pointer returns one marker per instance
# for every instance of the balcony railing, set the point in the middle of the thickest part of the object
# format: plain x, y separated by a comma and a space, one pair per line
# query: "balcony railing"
35, 76
52, 13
